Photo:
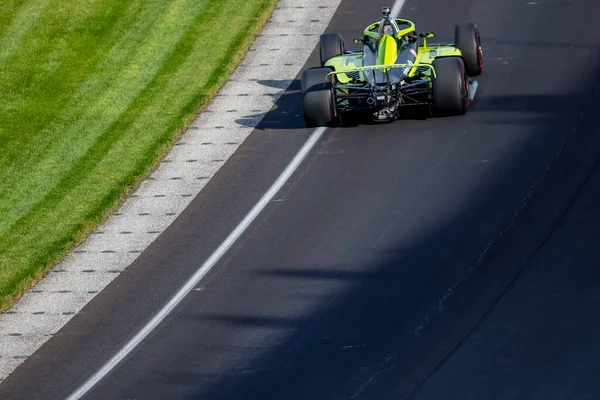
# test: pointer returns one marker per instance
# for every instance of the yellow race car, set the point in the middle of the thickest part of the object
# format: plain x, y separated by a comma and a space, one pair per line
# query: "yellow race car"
395, 68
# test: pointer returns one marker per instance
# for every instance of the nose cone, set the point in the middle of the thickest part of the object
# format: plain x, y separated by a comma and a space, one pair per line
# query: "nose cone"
387, 51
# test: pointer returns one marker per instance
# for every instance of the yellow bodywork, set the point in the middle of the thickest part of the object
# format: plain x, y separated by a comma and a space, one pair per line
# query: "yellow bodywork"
341, 73
388, 51
387, 55
428, 53
346, 62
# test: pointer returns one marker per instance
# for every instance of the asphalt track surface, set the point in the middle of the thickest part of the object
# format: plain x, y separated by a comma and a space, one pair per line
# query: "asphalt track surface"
447, 258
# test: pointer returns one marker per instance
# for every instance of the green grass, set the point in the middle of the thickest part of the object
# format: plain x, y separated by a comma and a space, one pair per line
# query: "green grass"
92, 94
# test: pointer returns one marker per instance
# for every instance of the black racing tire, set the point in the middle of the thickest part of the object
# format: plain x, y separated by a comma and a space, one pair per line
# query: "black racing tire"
330, 45
466, 38
317, 97
450, 94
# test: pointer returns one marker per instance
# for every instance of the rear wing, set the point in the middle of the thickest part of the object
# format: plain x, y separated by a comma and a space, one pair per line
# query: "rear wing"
385, 68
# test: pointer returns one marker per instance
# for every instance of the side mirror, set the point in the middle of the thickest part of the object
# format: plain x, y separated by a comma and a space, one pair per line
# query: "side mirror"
358, 40
426, 34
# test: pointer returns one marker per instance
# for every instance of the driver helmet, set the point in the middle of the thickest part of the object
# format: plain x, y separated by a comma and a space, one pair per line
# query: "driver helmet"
388, 29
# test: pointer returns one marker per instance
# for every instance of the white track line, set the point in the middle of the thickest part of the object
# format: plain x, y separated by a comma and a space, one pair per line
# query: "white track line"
203, 270
397, 8
212, 260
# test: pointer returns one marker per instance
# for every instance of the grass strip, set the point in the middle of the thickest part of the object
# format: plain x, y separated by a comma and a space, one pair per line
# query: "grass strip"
92, 94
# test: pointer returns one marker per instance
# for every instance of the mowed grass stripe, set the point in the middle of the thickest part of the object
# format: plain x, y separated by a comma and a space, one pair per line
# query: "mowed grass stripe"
16, 19
163, 62
46, 99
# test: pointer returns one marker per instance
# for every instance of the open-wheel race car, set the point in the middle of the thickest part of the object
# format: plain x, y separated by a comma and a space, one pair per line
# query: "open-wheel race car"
393, 70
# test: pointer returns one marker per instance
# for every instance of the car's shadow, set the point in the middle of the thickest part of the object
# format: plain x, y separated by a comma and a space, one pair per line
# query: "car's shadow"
286, 112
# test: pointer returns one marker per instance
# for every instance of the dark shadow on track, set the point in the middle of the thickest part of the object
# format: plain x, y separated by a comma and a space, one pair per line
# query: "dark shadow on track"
286, 112
398, 320
379, 325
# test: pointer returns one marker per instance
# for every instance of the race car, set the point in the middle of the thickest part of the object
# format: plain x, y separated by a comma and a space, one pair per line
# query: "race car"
392, 70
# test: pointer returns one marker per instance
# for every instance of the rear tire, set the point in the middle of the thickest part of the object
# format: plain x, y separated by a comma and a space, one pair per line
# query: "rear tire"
466, 38
317, 97
331, 45
450, 95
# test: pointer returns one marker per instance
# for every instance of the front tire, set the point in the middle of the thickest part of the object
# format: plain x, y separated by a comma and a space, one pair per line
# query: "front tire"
450, 94
330, 45
317, 97
466, 38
